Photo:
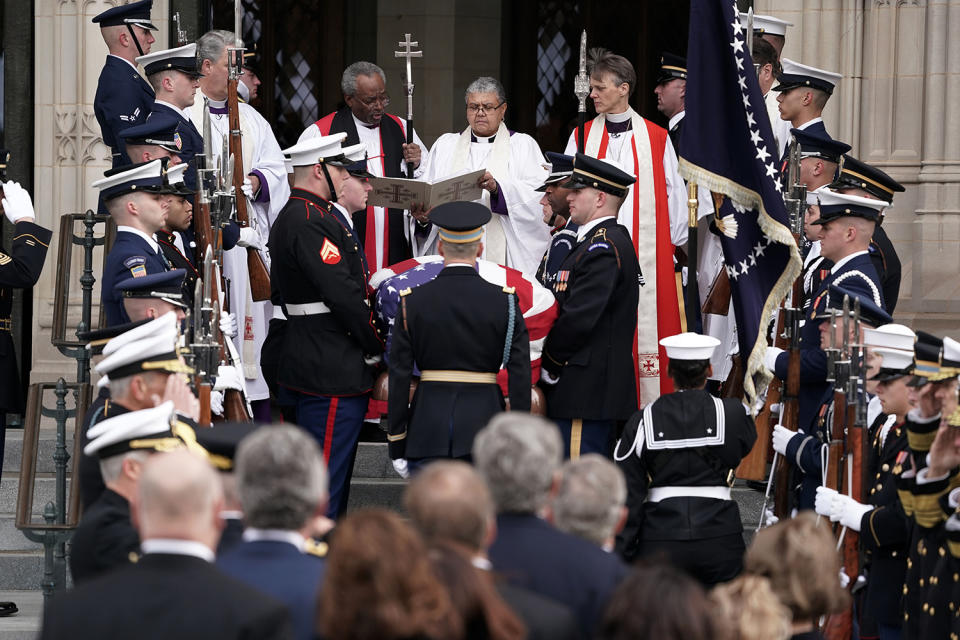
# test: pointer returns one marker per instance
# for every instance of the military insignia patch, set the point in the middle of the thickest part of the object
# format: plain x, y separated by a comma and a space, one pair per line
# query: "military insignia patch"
177, 140
329, 252
137, 266
598, 245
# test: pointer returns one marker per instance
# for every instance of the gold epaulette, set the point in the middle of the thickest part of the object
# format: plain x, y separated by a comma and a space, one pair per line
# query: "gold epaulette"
315, 548
405, 292
133, 557
510, 290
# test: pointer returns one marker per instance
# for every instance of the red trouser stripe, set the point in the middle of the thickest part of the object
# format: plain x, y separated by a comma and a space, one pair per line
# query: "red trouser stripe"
328, 432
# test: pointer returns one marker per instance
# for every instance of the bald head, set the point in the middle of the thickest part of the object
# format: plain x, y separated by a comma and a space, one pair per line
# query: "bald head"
179, 496
448, 501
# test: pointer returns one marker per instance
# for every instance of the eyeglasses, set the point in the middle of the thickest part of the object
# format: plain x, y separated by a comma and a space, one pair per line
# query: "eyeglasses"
486, 108
383, 99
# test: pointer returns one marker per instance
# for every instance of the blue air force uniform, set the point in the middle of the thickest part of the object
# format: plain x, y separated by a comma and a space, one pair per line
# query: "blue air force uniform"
587, 359
459, 329
319, 273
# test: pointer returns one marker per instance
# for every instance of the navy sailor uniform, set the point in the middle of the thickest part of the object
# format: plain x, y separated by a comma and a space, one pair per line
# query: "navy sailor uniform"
678, 457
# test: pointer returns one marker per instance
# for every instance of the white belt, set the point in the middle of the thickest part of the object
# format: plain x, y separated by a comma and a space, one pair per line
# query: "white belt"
656, 494
308, 309
278, 313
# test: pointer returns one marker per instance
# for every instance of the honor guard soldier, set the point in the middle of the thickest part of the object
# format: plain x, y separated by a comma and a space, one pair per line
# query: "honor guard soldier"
19, 269
136, 198
846, 227
820, 157
123, 97
159, 137
803, 92
804, 448
587, 359
105, 538
678, 455
556, 214
881, 522
858, 178
320, 274
671, 91
174, 77
460, 330
179, 218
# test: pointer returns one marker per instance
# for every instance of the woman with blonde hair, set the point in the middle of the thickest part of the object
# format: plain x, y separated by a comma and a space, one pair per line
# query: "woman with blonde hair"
799, 557
380, 584
752, 610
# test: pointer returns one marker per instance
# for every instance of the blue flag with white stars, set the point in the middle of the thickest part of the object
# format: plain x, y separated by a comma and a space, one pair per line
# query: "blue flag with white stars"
728, 149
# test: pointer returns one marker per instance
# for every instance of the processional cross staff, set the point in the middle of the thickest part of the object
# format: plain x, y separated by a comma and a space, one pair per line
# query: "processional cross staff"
581, 89
409, 53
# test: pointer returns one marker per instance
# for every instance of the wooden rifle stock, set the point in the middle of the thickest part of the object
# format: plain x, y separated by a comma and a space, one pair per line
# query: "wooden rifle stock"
259, 276
718, 298
203, 395
789, 416
754, 465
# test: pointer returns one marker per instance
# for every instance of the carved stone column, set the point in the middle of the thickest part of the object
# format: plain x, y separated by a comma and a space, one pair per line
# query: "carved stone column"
69, 153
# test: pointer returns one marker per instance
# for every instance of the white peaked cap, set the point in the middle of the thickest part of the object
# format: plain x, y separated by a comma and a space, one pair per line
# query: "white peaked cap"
130, 426
315, 150
767, 24
356, 152
689, 346
896, 359
891, 336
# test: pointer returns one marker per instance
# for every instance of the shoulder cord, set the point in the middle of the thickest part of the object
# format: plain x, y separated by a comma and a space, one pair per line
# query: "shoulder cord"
511, 319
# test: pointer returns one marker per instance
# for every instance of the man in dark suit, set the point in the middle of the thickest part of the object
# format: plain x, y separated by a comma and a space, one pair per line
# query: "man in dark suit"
519, 458
451, 506
460, 330
587, 363
282, 485
330, 343
679, 455
846, 227
136, 198
123, 97
174, 590
858, 178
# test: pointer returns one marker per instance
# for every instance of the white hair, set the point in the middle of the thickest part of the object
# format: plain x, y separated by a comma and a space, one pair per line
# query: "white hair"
486, 84
592, 494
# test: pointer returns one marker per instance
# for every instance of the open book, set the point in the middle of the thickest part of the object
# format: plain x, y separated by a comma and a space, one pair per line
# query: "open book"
401, 193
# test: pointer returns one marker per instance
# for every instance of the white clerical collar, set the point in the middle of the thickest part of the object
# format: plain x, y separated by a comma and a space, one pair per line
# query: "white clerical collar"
252, 534
182, 112
618, 117
125, 60
146, 236
588, 227
178, 548
360, 124
808, 123
231, 514
214, 104
845, 260
482, 139
677, 117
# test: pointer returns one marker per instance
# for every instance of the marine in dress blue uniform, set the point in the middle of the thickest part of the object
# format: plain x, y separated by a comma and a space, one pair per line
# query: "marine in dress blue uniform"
556, 213
135, 252
856, 274
123, 97
678, 456
182, 60
331, 344
587, 365
460, 330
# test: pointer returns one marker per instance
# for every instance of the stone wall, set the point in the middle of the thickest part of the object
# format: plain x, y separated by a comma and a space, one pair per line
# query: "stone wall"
897, 107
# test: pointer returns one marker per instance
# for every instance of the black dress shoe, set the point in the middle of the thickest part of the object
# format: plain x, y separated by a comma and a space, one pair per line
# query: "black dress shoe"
7, 609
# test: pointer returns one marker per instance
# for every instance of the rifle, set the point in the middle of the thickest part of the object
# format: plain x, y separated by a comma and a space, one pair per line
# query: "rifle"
208, 345
259, 276
850, 391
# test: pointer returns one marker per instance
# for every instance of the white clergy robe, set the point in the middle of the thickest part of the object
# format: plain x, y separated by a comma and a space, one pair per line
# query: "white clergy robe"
517, 238
262, 157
